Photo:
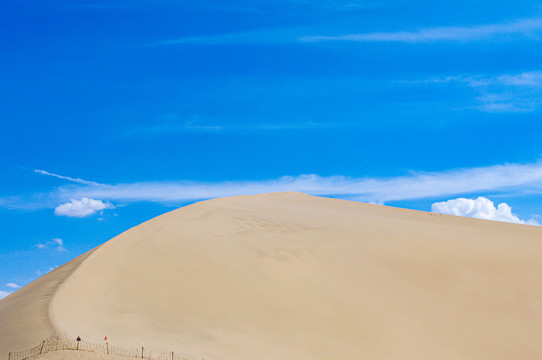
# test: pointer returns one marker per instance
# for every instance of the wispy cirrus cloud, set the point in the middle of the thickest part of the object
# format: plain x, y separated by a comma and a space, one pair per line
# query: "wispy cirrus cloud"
341, 5
173, 124
510, 177
502, 93
532, 79
75, 180
507, 102
528, 28
190, 127
255, 36
56, 243
414, 186
59, 244
507, 178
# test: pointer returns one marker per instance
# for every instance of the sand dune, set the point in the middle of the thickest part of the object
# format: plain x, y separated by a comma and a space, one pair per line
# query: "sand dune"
24, 315
291, 276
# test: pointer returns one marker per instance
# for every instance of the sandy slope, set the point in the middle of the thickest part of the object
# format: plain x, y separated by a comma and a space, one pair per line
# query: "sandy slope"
77, 355
24, 315
284, 276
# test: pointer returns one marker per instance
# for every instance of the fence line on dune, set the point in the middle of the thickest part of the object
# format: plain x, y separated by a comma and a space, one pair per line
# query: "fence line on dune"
57, 343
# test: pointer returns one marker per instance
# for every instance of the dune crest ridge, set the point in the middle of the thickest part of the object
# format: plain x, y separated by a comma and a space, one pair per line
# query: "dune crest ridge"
288, 275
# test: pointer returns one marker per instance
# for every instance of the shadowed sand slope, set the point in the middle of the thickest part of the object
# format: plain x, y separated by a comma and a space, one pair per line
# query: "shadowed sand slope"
24, 315
291, 276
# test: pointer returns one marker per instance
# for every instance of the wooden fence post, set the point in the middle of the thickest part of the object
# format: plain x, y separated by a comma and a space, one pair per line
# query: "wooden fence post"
172, 355
42, 345
107, 345
142, 349
9, 356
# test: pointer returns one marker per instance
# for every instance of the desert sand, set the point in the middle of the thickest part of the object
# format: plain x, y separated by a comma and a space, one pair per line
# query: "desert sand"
292, 276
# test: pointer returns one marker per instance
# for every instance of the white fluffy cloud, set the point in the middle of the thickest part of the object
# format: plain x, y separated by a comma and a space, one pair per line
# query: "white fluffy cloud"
81, 208
481, 208
12, 285
3, 294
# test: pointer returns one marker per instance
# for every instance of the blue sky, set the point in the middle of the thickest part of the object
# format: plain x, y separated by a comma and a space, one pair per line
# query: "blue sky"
115, 112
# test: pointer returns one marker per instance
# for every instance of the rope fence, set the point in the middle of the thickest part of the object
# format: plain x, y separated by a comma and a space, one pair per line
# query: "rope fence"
57, 343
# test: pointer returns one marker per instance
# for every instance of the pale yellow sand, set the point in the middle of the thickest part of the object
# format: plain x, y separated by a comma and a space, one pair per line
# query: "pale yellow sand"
77, 355
290, 276
24, 315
